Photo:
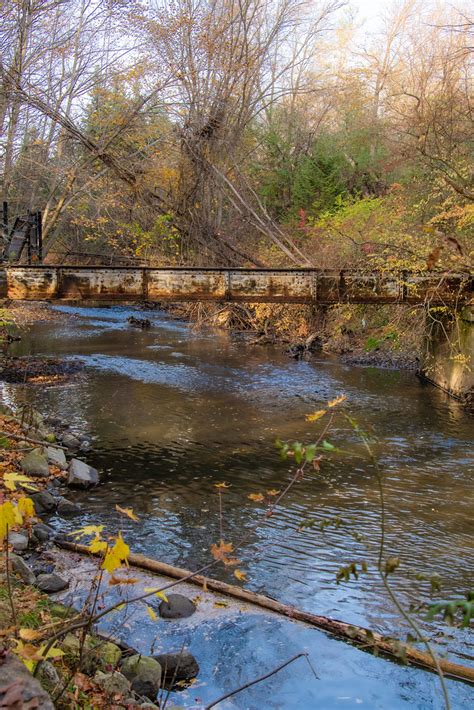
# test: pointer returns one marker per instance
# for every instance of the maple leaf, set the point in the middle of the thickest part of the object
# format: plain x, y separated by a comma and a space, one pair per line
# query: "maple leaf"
257, 497
220, 551
87, 530
126, 511
10, 479
315, 415
240, 575
27, 507
97, 545
7, 517
222, 485
122, 580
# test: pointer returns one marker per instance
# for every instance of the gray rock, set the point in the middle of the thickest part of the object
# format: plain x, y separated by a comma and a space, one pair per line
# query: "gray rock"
71, 441
177, 666
177, 607
51, 583
35, 463
21, 568
85, 445
44, 568
14, 672
113, 683
42, 532
144, 673
81, 475
56, 457
19, 541
67, 507
48, 677
44, 502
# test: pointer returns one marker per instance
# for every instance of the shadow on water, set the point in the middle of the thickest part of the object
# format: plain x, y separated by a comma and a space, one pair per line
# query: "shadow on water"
172, 411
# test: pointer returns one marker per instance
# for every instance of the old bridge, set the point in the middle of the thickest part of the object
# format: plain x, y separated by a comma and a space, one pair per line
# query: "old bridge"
449, 356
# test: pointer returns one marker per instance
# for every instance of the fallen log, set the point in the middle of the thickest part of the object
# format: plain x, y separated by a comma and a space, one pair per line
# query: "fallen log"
357, 635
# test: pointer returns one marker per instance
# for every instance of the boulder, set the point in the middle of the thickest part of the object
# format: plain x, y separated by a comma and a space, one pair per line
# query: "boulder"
35, 463
177, 667
112, 683
144, 673
106, 654
21, 568
44, 502
56, 457
67, 507
177, 607
81, 475
71, 441
51, 583
42, 532
19, 541
17, 681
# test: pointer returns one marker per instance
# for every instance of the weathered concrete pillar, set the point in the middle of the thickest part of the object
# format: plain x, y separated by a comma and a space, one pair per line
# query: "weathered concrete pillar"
448, 358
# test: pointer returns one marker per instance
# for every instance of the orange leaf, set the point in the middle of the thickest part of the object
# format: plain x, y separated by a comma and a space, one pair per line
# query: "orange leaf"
122, 580
257, 497
240, 575
126, 511
273, 492
222, 485
219, 552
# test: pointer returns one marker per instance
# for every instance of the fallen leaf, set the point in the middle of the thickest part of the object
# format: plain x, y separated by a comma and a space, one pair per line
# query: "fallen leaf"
240, 575
222, 485
127, 511
151, 613
220, 604
257, 497
315, 415
220, 551
122, 580
338, 400
273, 492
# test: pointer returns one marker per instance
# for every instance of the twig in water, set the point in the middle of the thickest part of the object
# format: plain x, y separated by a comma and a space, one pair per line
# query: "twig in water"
256, 680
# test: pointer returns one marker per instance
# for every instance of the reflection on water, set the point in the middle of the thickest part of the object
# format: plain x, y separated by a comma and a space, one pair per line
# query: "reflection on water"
173, 411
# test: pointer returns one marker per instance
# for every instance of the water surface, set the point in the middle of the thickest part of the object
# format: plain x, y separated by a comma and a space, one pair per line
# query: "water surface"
172, 411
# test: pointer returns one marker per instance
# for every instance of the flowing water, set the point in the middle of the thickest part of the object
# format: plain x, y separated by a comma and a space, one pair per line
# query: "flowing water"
171, 412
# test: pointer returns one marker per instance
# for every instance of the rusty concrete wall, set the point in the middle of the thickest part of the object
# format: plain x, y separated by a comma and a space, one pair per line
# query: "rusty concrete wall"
448, 359
244, 285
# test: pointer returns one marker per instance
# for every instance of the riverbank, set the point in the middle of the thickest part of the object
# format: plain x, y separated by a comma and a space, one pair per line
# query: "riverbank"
81, 668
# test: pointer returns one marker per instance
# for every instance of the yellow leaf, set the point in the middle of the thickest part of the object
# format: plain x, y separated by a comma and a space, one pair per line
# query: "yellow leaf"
54, 652
10, 479
151, 613
97, 545
30, 634
126, 511
18, 516
222, 485
121, 549
87, 530
7, 518
27, 507
240, 575
273, 492
257, 497
316, 415
338, 400
220, 604
111, 562
154, 590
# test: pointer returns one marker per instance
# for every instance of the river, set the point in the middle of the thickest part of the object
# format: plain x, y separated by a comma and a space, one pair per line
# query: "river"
172, 411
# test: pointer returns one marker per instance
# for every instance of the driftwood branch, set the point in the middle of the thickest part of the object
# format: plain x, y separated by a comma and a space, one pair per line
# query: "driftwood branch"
357, 635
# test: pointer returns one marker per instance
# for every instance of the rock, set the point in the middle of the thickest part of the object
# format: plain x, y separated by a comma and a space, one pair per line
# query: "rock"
144, 673
71, 646
42, 532
177, 667
21, 568
48, 677
51, 583
107, 653
29, 690
35, 463
44, 502
39, 568
67, 507
50, 438
177, 607
85, 445
56, 457
71, 441
97, 654
149, 706
81, 475
112, 683
19, 541
61, 611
